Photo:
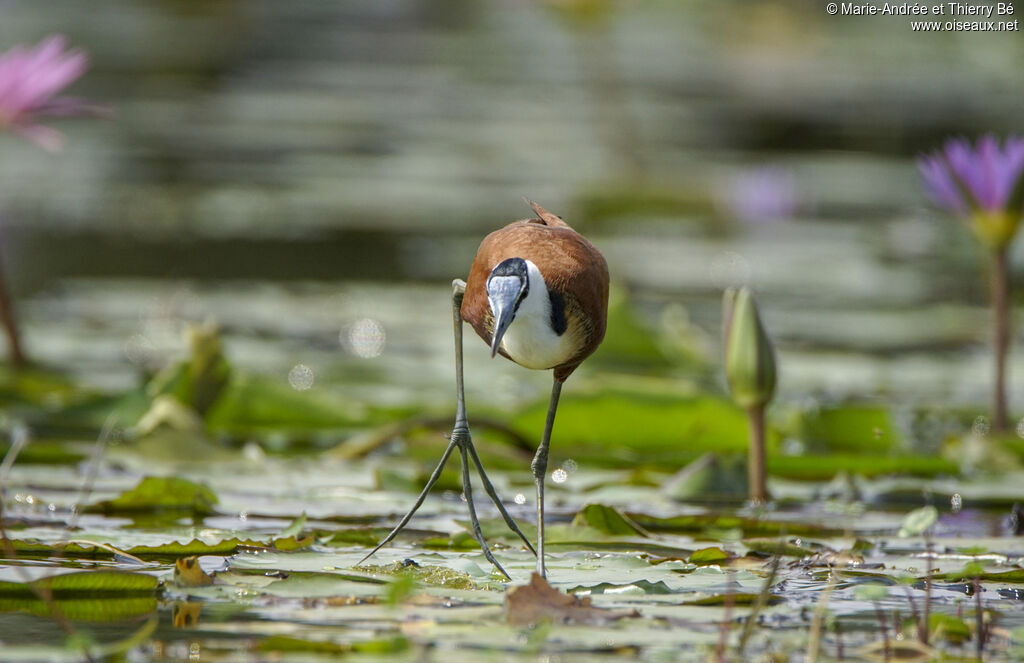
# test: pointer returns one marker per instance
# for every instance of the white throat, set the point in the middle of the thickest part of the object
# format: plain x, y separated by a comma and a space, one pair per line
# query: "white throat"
530, 340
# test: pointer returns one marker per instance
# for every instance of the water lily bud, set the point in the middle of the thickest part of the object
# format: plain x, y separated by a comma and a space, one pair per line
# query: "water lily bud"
749, 355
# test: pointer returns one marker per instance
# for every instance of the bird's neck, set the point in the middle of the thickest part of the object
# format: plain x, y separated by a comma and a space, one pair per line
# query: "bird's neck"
531, 340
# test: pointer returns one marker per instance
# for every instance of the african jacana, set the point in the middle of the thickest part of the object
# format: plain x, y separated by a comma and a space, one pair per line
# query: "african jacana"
537, 293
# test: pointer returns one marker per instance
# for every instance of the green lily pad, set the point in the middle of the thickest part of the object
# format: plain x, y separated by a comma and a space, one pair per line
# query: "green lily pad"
822, 467
260, 405
850, 428
606, 519
288, 644
86, 584
160, 495
751, 527
603, 430
712, 555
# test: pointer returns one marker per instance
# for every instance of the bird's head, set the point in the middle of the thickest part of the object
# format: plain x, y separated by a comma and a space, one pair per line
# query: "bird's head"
507, 287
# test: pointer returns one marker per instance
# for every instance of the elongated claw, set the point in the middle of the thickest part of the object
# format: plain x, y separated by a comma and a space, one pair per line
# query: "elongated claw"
467, 490
419, 501
493, 494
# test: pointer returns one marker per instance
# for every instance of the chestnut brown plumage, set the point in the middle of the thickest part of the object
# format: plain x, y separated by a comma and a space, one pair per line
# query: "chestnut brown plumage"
572, 267
537, 293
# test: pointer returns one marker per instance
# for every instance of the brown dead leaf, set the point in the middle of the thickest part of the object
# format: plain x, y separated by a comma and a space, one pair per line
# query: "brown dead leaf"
539, 601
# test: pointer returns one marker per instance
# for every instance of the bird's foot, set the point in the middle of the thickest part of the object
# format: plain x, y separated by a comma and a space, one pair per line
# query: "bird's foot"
462, 440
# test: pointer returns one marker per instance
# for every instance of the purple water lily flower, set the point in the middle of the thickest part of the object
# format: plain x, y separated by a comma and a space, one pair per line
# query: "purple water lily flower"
965, 178
759, 195
30, 79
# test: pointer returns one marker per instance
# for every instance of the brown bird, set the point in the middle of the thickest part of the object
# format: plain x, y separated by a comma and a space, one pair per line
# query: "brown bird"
537, 293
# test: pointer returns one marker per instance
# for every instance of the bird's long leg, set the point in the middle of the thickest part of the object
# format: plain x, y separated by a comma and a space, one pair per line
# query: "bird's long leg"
467, 491
460, 438
493, 494
540, 467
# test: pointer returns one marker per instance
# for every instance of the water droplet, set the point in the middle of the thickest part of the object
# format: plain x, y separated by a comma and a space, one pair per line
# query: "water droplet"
301, 377
980, 426
519, 498
366, 338
559, 475
570, 466
956, 502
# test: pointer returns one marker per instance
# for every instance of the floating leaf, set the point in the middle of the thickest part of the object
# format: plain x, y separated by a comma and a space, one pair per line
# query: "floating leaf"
704, 556
767, 546
252, 404
602, 429
736, 598
606, 519
84, 584
640, 586
171, 550
288, 644
539, 602
161, 494
284, 643
712, 477
852, 428
822, 467
750, 527
294, 528
871, 592
975, 570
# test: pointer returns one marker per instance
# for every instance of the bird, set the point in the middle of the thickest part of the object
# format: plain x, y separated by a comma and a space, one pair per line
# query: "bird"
537, 294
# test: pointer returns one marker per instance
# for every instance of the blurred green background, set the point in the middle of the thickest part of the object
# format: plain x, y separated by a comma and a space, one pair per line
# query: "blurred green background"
312, 174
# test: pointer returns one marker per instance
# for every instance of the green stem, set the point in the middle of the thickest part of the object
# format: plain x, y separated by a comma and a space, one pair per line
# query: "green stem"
10, 323
1001, 336
756, 464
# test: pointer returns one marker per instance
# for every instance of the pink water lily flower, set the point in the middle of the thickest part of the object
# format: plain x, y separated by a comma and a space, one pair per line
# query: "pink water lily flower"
30, 79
